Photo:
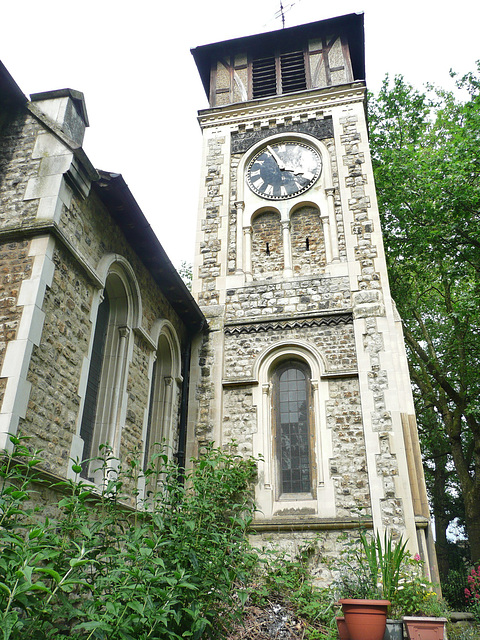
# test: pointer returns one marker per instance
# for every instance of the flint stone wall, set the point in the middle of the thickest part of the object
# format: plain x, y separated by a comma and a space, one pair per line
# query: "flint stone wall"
295, 296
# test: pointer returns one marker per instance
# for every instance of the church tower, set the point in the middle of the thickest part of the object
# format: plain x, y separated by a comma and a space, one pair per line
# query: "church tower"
304, 363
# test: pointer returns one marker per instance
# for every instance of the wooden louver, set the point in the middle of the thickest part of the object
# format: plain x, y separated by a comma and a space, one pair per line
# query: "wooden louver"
293, 71
264, 78
270, 78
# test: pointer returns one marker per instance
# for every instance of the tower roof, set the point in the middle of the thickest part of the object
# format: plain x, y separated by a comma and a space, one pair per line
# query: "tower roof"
351, 25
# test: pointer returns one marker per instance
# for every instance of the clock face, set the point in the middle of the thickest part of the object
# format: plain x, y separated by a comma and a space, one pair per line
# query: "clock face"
283, 170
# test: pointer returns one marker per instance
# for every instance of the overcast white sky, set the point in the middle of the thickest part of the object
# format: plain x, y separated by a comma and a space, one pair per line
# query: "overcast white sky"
132, 61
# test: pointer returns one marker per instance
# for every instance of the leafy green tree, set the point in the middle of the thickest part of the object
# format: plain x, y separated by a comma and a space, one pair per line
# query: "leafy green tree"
185, 271
425, 151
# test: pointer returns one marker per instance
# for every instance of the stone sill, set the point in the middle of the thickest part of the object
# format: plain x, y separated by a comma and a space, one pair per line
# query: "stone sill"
297, 523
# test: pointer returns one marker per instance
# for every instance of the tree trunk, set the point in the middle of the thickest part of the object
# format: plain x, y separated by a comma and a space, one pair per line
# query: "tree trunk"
472, 523
441, 516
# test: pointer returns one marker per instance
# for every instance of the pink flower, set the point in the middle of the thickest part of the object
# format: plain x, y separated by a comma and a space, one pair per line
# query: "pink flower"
417, 557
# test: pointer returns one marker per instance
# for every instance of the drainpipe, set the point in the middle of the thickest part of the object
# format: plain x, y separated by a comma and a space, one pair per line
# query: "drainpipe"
182, 435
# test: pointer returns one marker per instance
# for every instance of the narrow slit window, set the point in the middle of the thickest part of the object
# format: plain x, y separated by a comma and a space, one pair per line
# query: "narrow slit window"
307, 244
267, 248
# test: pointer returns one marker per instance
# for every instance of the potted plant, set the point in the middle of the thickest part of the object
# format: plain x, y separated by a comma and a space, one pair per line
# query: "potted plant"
417, 603
369, 578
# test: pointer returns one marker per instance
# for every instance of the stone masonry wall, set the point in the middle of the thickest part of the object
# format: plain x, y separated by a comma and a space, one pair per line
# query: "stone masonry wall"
56, 365
348, 465
308, 245
321, 547
90, 229
16, 168
205, 390
336, 344
210, 247
232, 217
288, 297
138, 393
267, 246
15, 266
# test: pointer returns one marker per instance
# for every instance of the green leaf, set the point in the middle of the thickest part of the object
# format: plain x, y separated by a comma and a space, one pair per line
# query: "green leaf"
136, 606
93, 625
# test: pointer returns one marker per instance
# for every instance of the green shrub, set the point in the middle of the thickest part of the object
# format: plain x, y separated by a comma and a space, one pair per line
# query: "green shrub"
177, 568
453, 589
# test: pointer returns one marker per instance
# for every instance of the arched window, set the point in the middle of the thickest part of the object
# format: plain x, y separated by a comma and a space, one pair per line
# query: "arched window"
93, 383
292, 437
160, 426
107, 374
292, 399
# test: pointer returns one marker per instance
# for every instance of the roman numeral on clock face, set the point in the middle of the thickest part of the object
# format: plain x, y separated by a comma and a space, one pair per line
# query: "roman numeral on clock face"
268, 190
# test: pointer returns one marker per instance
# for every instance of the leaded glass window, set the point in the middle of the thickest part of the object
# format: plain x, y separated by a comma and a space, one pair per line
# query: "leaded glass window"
292, 410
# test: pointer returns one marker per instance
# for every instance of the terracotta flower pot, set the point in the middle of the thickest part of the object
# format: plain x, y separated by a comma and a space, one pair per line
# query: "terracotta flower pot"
342, 628
366, 619
421, 628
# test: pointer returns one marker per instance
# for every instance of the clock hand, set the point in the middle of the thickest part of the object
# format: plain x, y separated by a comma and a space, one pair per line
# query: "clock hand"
281, 165
292, 170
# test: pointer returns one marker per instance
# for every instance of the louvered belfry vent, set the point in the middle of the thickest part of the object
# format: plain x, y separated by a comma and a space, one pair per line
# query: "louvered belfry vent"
264, 77
293, 71
274, 75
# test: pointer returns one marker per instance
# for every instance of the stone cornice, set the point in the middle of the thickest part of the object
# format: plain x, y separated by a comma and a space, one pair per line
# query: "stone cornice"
305, 105
279, 323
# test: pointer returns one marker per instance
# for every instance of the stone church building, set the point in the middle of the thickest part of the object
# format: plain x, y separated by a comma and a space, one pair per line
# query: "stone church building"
96, 324
290, 347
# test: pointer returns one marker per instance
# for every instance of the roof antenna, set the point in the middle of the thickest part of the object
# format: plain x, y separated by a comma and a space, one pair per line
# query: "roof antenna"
283, 15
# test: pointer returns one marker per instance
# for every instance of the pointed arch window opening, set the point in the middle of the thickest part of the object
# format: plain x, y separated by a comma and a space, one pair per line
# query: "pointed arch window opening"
293, 428
87, 428
159, 434
104, 396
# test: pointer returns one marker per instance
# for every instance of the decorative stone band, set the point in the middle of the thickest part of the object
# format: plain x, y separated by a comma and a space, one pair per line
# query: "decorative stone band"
275, 324
320, 129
